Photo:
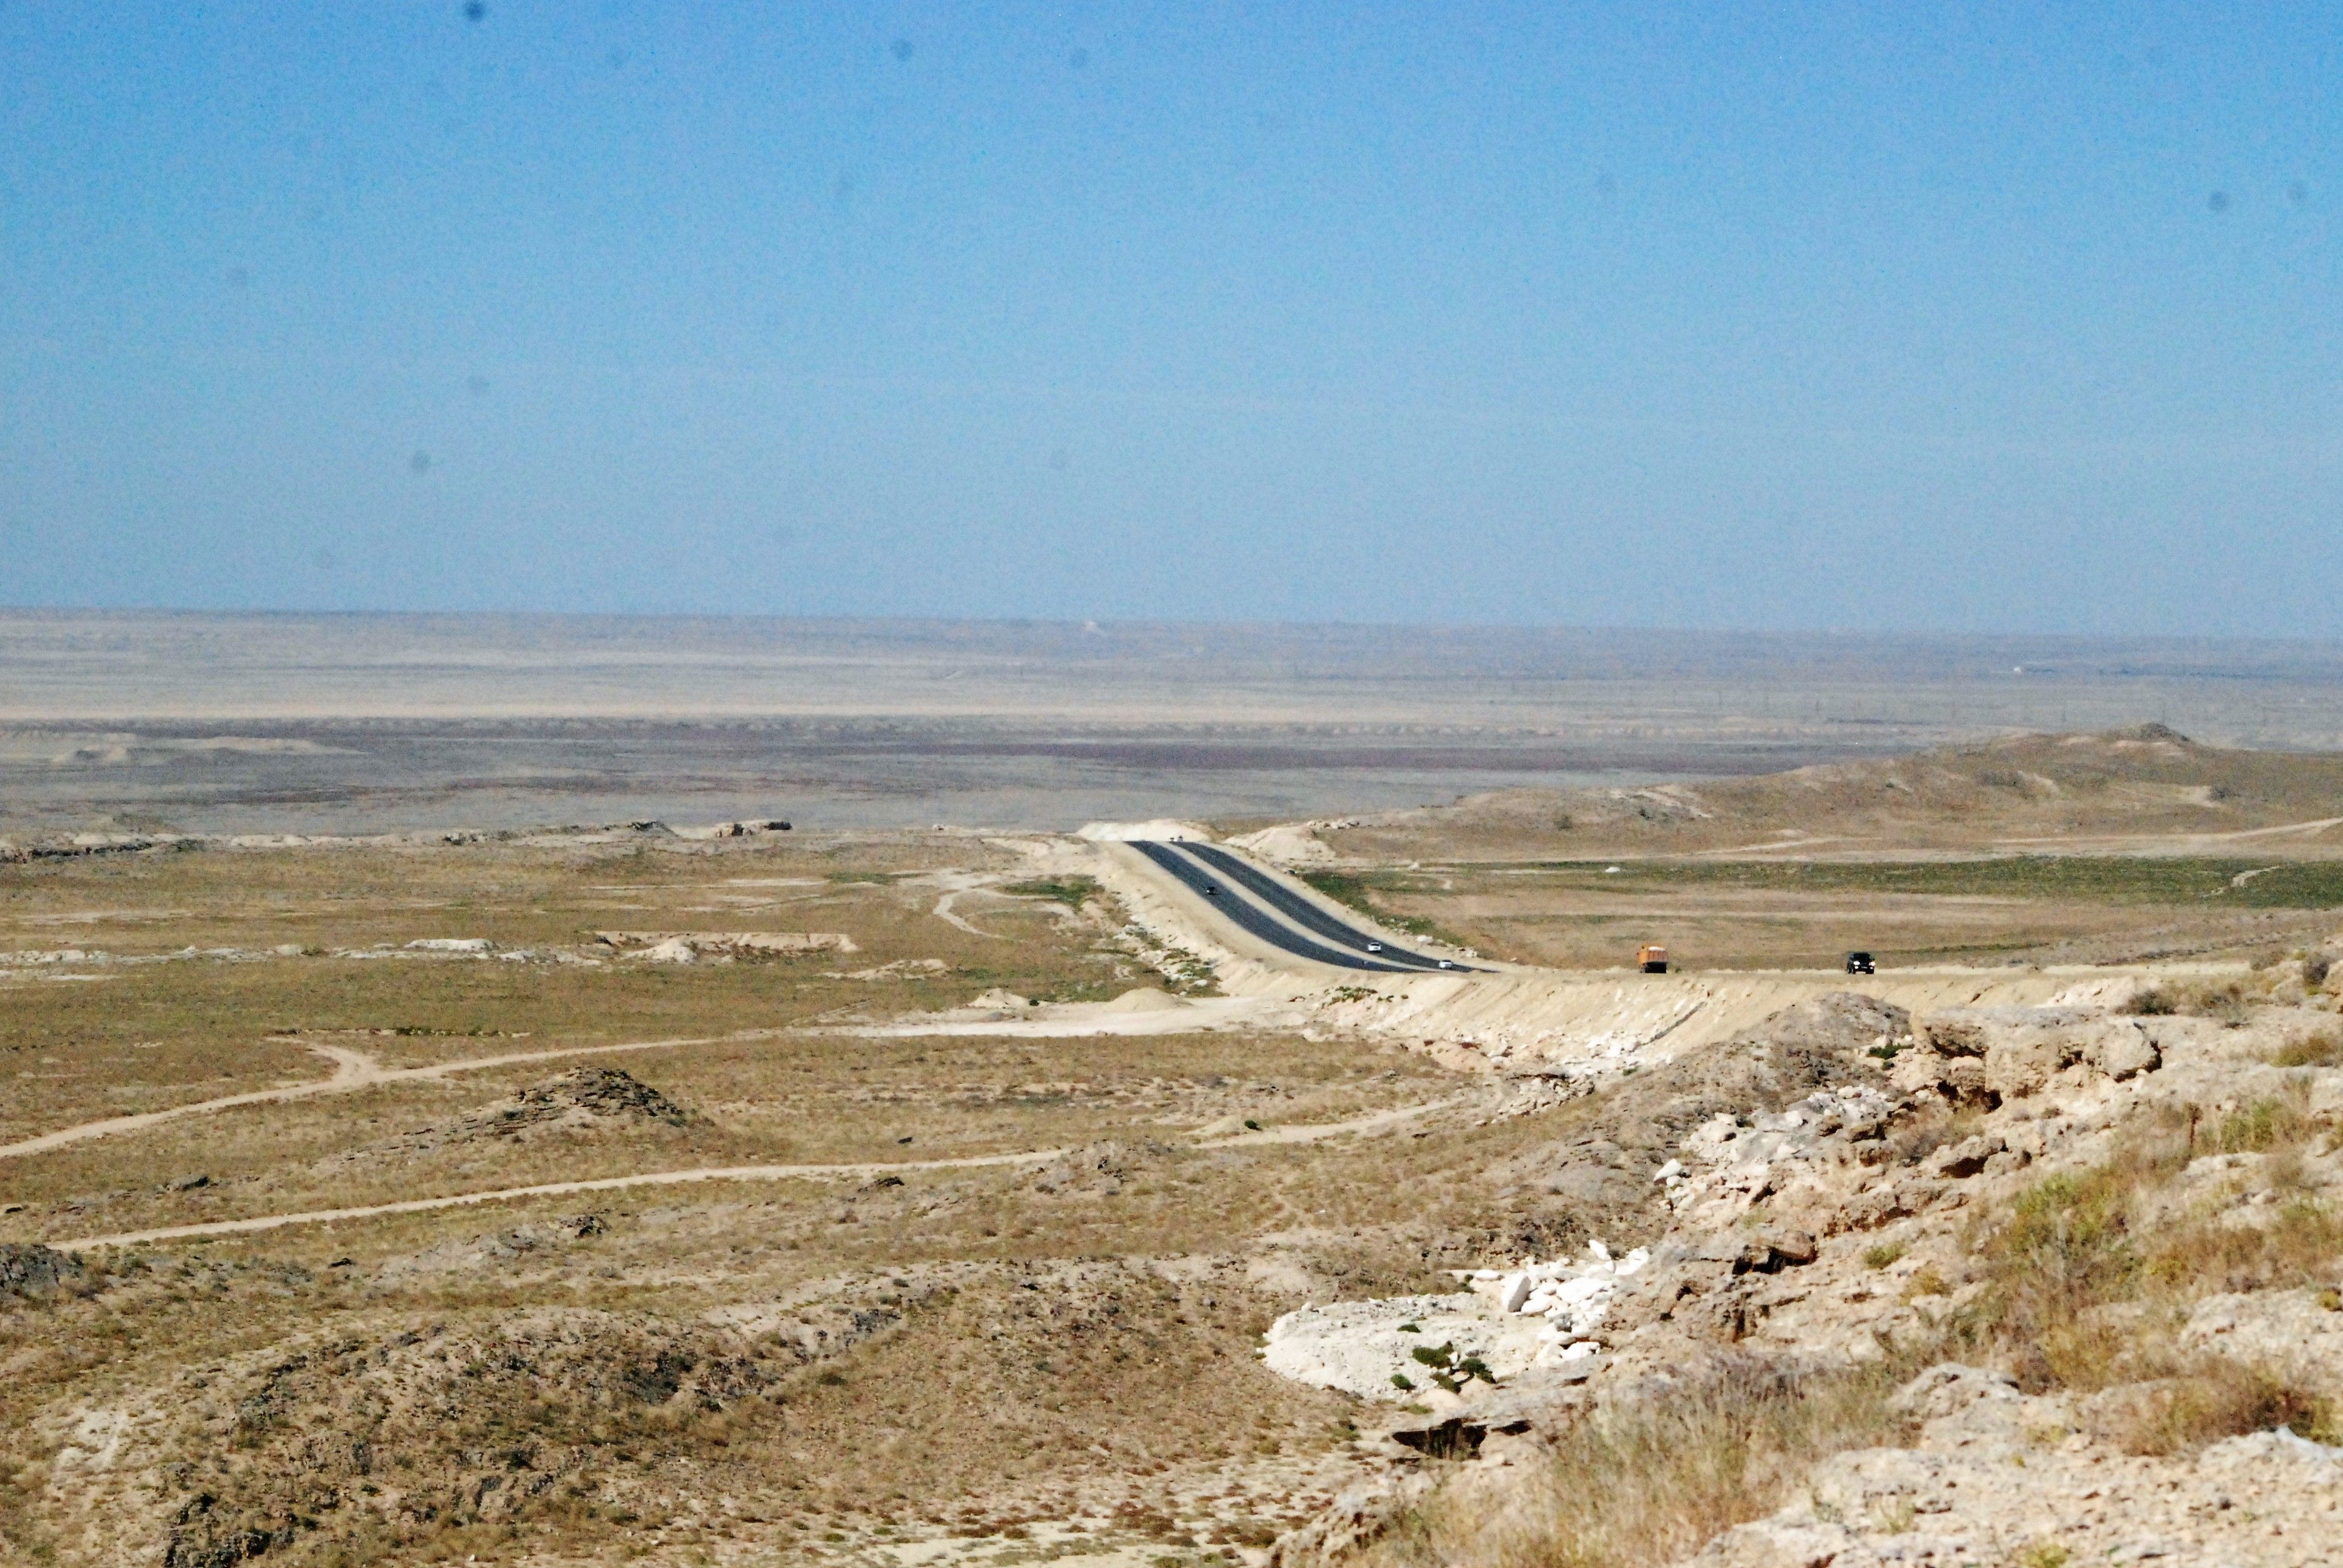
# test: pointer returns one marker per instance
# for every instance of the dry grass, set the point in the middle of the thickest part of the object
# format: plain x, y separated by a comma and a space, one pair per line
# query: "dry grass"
970, 1402
1360, 893
1769, 914
1650, 1482
1903, 857
2079, 1285
2229, 1002
141, 1035
2076, 1243
1955, 801
1032, 1378
2320, 1048
2214, 1397
1070, 1338
149, 1036
786, 1099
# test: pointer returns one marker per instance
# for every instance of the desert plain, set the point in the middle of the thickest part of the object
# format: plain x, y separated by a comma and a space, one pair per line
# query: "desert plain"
446, 1116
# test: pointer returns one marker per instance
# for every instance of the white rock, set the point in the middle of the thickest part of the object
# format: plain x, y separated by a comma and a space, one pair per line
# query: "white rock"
2278, 1443
1513, 1292
1359, 1346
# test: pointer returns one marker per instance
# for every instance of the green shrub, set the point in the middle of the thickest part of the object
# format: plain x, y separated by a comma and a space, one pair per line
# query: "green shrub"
1071, 891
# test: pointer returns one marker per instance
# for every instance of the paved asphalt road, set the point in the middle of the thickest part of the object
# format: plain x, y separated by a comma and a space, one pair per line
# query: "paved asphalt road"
1310, 917
1217, 875
1252, 917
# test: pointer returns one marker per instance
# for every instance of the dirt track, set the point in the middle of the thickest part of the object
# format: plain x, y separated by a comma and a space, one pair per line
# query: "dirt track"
1307, 1132
353, 1069
552, 1190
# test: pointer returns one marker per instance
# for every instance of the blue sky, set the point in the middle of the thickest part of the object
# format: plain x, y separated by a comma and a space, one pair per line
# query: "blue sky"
1890, 317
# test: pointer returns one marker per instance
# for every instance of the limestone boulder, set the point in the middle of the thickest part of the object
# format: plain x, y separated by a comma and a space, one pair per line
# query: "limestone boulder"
2018, 1053
2297, 1331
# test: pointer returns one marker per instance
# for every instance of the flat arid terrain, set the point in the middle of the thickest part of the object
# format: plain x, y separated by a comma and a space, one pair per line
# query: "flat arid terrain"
330, 724
1201, 1187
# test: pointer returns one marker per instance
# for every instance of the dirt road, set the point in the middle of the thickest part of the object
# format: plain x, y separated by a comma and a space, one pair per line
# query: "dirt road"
353, 1069
1307, 1132
553, 1190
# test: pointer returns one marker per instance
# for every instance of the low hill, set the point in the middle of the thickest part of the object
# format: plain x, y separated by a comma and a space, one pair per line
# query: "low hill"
2143, 791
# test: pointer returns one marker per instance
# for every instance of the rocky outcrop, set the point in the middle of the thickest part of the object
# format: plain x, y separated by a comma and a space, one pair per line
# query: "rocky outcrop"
1603, 1166
585, 1099
1839, 1211
2299, 1331
32, 1273
1997, 1476
1982, 1056
1405, 1349
605, 1092
693, 947
1571, 1297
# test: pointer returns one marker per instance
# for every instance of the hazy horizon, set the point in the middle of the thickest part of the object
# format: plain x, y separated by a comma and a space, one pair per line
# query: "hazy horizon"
71, 663
305, 722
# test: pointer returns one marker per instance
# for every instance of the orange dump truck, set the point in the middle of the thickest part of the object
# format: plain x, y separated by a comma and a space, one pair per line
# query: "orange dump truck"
1652, 959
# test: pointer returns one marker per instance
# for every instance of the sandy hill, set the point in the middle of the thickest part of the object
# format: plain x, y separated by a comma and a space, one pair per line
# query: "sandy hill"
2145, 789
